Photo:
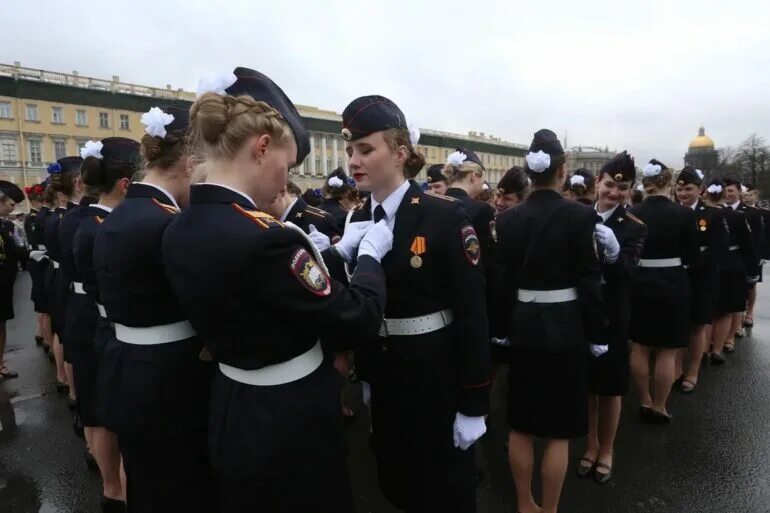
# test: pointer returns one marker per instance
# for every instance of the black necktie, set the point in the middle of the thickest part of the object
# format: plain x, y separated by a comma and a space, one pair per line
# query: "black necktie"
379, 213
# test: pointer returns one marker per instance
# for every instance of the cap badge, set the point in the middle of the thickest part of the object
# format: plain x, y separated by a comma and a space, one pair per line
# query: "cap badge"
430, 179
680, 182
618, 177
347, 134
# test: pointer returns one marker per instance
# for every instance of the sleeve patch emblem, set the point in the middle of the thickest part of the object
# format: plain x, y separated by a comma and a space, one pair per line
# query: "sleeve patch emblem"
471, 245
309, 273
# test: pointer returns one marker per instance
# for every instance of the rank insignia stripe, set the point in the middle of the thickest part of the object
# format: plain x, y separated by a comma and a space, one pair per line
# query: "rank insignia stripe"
320, 213
169, 209
633, 217
260, 218
439, 196
309, 274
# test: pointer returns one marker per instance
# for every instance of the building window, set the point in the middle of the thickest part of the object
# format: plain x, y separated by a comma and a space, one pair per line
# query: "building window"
104, 120
59, 149
35, 151
5, 110
57, 115
124, 122
81, 118
32, 113
8, 150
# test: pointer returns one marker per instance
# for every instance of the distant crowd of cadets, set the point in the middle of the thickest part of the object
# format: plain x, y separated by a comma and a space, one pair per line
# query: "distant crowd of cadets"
202, 317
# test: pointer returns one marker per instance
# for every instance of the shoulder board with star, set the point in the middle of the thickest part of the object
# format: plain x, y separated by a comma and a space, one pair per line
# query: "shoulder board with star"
633, 217
439, 196
313, 211
169, 209
259, 218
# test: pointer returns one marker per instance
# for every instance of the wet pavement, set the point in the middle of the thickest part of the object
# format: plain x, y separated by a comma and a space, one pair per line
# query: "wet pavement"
714, 457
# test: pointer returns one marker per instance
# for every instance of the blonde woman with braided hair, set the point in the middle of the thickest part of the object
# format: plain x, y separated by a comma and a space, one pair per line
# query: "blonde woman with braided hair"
259, 292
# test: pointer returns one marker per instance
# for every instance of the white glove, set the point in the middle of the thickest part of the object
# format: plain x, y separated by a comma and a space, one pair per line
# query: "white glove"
606, 239
377, 242
467, 430
597, 350
366, 393
354, 232
501, 341
320, 240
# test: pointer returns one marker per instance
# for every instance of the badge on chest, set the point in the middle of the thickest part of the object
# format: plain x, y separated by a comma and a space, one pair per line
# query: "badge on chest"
702, 225
418, 248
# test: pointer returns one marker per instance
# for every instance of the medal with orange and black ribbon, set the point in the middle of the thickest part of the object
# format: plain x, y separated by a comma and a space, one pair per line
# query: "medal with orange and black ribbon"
418, 248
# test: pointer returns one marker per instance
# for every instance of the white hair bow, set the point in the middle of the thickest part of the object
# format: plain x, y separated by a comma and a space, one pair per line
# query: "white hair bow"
651, 170
699, 173
577, 180
485, 187
414, 134
744, 189
714, 189
216, 84
335, 182
640, 188
538, 162
92, 149
457, 159
155, 121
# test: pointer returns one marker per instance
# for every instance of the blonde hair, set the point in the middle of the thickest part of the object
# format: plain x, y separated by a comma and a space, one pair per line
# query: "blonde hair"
396, 137
653, 184
221, 124
458, 173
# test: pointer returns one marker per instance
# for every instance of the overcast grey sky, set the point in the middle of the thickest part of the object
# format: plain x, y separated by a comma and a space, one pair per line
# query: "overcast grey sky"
640, 76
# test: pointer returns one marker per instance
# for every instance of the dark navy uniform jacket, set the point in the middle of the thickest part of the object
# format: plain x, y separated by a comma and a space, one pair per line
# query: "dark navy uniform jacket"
10, 253
303, 215
251, 286
757, 224
333, 206
51, 233
30, 229
83, 249
746, 258
41, 219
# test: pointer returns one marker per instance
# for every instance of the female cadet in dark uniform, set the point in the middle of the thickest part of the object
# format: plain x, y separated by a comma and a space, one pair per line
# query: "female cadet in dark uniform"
35, 265
437, 183
40, 253
336, 190
68, 187
291, 207
429, 369
10, 255
660, 290
760, 216
551, 279
713, 240
609, 377
106, 177
512, 189
581, 187
739, 266
256, 290
152, 365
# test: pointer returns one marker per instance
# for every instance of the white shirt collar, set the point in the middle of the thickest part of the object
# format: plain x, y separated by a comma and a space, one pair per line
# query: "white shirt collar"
103, 207
391, 203
694, 206
234, 190
606, 215
288, 209
735, 205
164, 191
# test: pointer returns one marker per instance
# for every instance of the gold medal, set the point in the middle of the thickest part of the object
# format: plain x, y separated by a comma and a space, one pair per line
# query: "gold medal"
703, 228
416, 261
418, 248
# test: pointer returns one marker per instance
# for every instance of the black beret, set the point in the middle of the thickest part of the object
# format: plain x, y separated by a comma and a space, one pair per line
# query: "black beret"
262, 88
732, 180
435, 173
689, 175
121, 149
546, 141
472, 157
513, 181
369, 114
70, 163
12, 190
620, 168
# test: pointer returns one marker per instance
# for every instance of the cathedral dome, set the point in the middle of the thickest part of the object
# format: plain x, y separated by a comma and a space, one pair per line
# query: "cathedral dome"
702, 141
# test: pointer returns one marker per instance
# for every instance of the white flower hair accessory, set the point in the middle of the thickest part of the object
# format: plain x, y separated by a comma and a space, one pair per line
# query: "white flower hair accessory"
640, 188
714, 189
457, 159
414, 134
92, 149
577, 180
538, 162
485, 187
335, 182
699, 173
155, 121
216, 84
744, 190
651, 170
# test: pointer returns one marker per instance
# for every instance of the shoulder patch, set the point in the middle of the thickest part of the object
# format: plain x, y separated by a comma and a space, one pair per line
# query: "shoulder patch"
493, 229
439, 196
169, 209
310, 275
261, 219
471, 245
633, 217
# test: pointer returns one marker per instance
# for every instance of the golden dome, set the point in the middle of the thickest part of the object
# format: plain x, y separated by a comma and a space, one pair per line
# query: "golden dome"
702, 141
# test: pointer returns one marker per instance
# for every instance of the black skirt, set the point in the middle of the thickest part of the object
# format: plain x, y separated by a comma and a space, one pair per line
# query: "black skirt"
703, 303
609, 373
38, 295
6, 296
59, 288
85, 366
662, 322
548, 393
732, 293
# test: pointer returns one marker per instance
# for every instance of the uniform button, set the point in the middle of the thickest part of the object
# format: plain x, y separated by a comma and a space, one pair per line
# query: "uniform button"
385, 349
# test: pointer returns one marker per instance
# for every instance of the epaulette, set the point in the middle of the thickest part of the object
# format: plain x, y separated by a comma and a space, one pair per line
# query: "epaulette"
315, 211
169, 209
439, 196
633, 217
262, 219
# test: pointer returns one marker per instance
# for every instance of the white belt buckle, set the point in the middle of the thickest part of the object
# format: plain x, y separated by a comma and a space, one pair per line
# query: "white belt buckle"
416, 325
102, 311
55, 263
77, 288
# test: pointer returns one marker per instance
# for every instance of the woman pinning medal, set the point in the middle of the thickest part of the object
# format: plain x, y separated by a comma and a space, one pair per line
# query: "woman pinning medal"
258, 292
660, 291
551, 271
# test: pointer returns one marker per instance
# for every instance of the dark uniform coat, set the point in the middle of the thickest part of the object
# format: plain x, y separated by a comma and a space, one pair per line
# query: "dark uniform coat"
303, 215
713, 239
40, 291
333, 206
57, 286
420, 382
11, 253
35, 267
756, 222
254, 292
739, 266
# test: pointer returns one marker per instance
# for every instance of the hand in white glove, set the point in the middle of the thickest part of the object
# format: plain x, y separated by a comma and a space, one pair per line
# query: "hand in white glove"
354, 233
501, 341
598, 350
467, 430
377, 242
320, 240
607, 240
366, 393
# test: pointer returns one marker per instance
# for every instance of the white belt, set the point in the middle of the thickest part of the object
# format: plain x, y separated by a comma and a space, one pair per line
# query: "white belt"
280, 373
55, 263
77, 288
37, 255
547, 296
41, 247
703, 248
154, 335
734, 248
416, 325
102, 311
660, 262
